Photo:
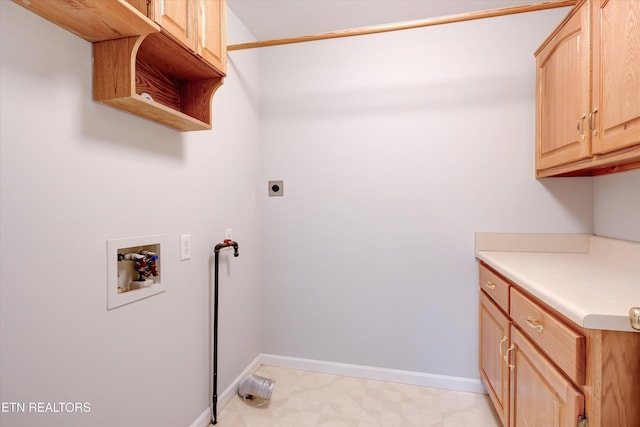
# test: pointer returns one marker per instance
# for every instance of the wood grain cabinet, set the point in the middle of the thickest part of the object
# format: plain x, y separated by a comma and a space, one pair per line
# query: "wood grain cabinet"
546, 358
197, 24
588, 91
615, 112
540, 395
494, 341
563, 94
160, 59
542, 370
177, 18
212, 43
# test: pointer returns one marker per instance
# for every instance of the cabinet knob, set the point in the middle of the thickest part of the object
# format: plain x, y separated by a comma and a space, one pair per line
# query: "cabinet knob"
490, 285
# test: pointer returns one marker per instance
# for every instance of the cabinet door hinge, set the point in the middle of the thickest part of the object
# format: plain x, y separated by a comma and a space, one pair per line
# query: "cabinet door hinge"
582, 421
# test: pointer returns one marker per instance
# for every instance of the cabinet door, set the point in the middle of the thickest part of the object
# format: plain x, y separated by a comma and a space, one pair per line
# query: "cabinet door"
177, 18
212, 43
540, 395
494, 340
616, 74
563, 94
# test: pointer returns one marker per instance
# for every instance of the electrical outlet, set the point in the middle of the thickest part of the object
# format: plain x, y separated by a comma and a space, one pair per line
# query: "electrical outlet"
185, 247
276, 188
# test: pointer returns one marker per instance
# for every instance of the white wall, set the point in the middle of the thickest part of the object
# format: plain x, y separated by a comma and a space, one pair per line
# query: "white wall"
75, 173
394, 150
617, 205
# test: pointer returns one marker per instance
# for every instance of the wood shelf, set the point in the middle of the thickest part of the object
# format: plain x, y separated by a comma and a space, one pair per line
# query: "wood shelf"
133, 55
93, 20
180, 84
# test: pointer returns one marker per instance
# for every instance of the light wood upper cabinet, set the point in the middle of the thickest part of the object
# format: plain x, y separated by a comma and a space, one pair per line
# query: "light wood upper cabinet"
616, 75
178, 18
212, 40
200, 25
563, 94
588, 91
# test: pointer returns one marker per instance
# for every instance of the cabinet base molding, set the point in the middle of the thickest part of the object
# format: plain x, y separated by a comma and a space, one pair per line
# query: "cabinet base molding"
601, 164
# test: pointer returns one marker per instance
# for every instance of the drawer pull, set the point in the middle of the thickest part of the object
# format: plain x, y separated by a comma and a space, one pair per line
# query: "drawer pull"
580, 125
594, 132
535, 324
490, 285
506, 356
502, 341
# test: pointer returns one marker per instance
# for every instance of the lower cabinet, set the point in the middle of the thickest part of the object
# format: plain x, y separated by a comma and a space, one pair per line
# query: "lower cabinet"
539, 394
494, 341
517, 335
541, 370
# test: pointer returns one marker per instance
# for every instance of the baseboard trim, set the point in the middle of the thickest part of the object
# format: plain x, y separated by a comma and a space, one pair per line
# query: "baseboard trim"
447, 382
225, 397
204, 419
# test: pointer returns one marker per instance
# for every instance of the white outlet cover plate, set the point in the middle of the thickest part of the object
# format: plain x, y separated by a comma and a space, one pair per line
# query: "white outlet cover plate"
185, 247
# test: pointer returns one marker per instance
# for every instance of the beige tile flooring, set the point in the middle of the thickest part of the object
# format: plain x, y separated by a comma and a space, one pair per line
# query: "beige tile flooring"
303, 399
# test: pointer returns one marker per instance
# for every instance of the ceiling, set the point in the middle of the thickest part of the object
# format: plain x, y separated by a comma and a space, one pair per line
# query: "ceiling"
272, 19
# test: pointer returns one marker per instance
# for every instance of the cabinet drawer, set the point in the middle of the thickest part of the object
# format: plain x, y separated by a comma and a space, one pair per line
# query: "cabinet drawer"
495, 286
564, 346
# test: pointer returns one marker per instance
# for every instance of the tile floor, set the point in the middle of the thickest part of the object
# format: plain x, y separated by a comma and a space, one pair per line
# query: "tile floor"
303, 399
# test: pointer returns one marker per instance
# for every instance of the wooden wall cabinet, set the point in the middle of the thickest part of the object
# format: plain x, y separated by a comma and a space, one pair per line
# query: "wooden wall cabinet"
150, 58
212, 43
588, 91
541, 370
563, 94
198, 24
177, 18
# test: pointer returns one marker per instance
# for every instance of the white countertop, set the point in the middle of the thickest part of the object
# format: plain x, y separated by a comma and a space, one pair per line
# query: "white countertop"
594, 285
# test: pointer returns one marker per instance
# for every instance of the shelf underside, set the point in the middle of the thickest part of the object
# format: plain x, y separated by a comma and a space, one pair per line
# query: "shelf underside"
602, 164
93, 20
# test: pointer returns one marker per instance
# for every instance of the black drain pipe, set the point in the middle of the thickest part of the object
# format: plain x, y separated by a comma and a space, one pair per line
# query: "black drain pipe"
214, 397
